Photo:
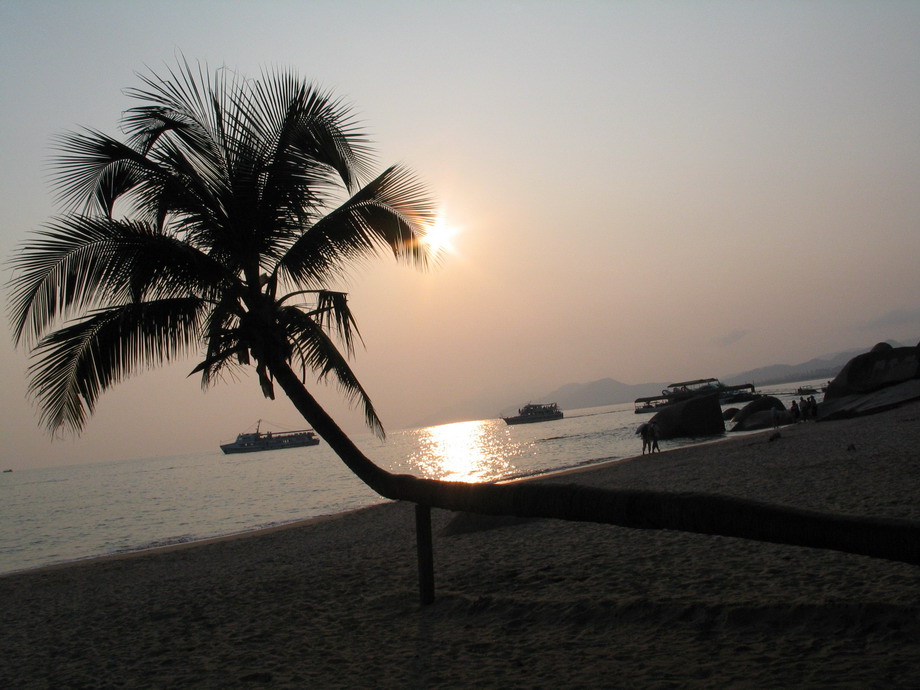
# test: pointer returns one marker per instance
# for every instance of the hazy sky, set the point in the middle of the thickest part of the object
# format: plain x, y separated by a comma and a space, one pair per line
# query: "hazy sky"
646, 191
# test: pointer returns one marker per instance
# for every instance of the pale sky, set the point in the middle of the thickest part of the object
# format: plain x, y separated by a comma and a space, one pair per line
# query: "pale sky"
646, 191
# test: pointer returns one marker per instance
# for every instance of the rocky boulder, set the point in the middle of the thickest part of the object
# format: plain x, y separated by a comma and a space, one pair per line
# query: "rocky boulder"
882, 366
758, 414
692, 418
877, 380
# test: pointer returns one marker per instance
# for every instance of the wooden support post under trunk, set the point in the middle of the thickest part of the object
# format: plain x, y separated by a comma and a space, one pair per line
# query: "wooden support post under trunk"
425, 554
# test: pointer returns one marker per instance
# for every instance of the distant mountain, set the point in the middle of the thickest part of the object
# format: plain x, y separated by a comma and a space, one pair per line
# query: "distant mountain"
824, 367
573, 396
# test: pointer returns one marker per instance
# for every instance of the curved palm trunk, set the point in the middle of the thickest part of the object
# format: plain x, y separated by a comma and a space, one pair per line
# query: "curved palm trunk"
897, 540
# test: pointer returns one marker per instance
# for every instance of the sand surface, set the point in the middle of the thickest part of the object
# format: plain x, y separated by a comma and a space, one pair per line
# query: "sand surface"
537, 604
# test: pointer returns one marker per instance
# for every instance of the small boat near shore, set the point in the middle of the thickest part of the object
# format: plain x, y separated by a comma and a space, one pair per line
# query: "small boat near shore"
256, 441
535, 412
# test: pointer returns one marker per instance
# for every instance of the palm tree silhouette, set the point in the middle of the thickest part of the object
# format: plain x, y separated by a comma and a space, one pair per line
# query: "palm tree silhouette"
216, 228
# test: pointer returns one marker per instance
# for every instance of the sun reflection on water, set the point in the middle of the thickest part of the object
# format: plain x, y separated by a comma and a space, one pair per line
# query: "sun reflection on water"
464, 451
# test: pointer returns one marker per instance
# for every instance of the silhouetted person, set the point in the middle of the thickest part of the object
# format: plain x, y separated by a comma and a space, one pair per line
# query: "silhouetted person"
653, 433
643, 431
649, 434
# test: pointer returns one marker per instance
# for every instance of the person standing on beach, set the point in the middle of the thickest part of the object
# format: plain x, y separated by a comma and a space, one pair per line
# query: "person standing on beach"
643, 432
649, 433
653, 434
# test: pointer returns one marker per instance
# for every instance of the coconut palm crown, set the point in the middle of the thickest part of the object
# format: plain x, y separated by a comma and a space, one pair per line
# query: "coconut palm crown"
214, 229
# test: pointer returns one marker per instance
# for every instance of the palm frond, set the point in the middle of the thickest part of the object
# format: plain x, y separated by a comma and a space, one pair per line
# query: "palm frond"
97, 168
192, 196
223, 340
398, 209
62, 270
76, 364
391, 212
183, 127
81, 262
183, 101
331, 313
94, 167
147, 124
313, 349
310, 126
308, 150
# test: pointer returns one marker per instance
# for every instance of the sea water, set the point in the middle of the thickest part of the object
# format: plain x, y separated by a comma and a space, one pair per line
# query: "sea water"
59, 514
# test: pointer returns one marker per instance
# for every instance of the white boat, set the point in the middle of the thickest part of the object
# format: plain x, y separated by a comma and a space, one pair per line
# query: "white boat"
256, 441
535, 412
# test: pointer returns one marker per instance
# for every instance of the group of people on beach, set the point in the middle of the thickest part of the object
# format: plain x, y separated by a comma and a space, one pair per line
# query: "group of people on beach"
804, 409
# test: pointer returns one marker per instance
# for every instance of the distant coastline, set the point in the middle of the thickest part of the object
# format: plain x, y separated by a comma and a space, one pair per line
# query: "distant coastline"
610, 391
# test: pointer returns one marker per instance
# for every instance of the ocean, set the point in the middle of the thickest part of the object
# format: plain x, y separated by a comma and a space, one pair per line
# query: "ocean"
60, 514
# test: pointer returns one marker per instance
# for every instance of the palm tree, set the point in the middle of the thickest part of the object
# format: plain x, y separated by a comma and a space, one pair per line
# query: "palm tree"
216, 229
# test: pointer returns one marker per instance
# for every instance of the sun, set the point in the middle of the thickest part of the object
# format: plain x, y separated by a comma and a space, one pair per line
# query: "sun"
438, 237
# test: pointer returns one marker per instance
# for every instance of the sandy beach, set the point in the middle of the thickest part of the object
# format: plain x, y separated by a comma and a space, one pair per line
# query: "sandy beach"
531, 604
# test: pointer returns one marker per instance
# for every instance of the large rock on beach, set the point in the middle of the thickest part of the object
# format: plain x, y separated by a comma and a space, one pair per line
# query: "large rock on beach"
882, 366
758, 414
877, 380
765, 419
695, 417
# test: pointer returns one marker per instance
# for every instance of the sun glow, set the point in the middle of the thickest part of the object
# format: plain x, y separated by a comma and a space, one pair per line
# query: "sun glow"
438, 237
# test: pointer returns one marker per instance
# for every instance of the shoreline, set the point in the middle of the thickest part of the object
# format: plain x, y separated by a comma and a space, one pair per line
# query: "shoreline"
302, 522
191, 543
333, 602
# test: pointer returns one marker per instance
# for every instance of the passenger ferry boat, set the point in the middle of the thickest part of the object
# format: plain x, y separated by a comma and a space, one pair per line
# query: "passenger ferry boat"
535, 412
256, 441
